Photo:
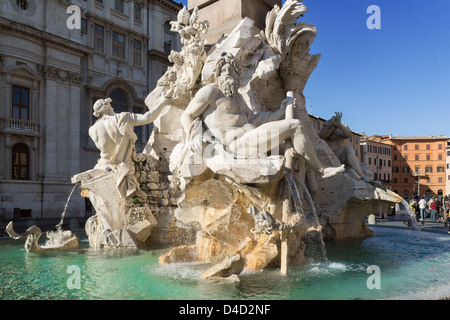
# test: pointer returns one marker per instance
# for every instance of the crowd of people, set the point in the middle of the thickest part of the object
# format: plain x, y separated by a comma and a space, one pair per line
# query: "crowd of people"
437, 208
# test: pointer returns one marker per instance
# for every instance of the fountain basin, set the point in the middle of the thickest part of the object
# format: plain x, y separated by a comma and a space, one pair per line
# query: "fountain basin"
411, 268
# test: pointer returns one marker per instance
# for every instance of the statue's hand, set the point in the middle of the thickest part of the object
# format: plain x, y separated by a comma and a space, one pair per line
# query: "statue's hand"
338, 118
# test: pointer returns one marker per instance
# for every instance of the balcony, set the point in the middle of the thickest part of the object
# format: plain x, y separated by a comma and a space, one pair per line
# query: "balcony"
18, 126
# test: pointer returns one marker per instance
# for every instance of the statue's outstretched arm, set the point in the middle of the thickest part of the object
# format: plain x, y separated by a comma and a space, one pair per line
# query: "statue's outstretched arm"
152, 114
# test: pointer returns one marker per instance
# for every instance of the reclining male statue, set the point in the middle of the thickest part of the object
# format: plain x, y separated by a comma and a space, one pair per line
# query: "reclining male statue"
228, 119
335, 133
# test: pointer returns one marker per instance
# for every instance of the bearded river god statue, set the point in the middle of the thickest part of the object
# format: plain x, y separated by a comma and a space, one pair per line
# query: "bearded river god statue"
232, 157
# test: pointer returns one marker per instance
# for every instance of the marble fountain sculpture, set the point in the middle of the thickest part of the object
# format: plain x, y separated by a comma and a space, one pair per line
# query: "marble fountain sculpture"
231, 158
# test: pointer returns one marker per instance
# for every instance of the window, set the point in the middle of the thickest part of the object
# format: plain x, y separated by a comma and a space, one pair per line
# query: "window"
405, 194
416, 157
137, 52
440, 169
119, 101
405, 147
405, 180
118, 5
440, 179
389, 163
428, 169
370, 160
428, 147
395, 181
440, 146
137, 12
84, 28
118, 45
168, 37
395, 157
98, 37
22, 4
416, 147
417, 169
20, 103
440, 157
167, 46
405, 169
406, 157
20, 162
428, 157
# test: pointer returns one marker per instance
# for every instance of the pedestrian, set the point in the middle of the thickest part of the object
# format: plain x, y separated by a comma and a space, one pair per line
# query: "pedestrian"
432, 206
397, 208
422, 207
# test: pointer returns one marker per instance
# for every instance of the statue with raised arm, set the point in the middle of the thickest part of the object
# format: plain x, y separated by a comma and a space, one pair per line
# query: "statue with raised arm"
335, 133
114, 136
228, 119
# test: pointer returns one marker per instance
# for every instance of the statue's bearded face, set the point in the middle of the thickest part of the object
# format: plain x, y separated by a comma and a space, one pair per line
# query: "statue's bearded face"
228, 80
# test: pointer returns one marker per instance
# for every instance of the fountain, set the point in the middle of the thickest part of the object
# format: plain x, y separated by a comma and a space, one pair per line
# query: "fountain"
204, 188
226, 200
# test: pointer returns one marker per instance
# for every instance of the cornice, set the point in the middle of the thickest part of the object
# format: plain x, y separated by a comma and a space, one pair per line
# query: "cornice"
171, 5
159, 56
36, 34
56, 73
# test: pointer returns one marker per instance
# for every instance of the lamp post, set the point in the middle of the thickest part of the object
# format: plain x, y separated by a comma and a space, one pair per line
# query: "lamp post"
418, 175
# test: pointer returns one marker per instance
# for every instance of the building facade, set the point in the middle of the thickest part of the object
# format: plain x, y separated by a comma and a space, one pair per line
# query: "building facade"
377, 157
447, 169
418, 165
51, 72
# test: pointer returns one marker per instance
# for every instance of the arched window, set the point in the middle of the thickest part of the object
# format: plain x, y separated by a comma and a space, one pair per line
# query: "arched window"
119, 101
20, 162
137, 11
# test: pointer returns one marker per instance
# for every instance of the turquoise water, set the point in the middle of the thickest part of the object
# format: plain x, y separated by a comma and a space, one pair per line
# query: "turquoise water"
411, 265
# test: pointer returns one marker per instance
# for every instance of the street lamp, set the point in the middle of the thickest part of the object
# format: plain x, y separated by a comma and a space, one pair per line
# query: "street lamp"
418, 175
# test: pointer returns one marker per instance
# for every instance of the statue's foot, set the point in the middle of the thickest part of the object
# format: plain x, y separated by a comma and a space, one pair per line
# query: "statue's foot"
332, 171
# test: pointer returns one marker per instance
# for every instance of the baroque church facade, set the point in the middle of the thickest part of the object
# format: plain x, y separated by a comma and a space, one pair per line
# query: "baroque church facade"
50, 76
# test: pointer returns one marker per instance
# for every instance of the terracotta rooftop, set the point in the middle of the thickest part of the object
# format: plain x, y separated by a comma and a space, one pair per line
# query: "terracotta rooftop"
429, 137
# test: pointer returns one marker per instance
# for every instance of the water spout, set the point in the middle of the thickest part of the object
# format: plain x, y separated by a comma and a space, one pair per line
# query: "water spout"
316, 218
411, 215
59, 225
298, 207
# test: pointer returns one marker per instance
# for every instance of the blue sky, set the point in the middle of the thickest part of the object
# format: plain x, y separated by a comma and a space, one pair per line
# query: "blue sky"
395, 80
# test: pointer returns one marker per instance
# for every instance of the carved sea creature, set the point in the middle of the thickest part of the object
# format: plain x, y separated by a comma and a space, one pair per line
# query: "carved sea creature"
62, 240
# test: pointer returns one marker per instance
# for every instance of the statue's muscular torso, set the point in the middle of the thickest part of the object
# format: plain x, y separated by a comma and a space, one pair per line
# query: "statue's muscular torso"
225, 117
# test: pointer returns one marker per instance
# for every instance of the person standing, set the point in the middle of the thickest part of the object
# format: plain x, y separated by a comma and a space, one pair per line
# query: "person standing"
422, 207
397, 208
432, 206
